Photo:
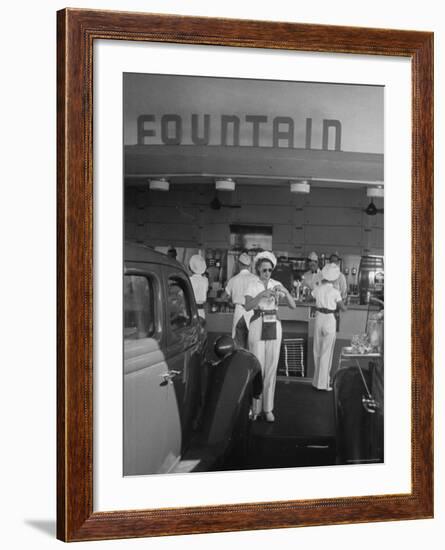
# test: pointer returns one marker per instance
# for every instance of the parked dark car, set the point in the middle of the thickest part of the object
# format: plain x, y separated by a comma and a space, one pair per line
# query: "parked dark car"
359, 405
182, 411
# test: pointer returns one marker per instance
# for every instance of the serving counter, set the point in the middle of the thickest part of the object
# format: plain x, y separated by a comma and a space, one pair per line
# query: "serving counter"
222, 321
352, 321
300, 322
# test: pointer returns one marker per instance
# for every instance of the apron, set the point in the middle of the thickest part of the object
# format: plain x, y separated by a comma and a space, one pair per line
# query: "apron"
269, 323
240, 312
240, 330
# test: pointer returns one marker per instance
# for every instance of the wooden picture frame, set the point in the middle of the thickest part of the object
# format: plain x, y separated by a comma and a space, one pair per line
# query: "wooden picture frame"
77, 31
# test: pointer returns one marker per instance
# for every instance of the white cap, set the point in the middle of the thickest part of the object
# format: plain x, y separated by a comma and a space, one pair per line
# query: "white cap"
266, 255
313, 257
197, 264
330, 272
244, 259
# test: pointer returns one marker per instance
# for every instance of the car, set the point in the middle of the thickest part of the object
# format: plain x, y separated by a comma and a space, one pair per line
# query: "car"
184, 409
359, 406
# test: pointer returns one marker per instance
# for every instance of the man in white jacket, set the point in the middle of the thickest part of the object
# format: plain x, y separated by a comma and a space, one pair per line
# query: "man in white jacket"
236, 290
200, 283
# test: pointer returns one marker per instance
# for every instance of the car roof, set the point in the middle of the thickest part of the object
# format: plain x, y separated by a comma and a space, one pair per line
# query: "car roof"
135, 252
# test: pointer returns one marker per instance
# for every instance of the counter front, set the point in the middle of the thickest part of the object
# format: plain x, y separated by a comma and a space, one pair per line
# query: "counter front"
300, 322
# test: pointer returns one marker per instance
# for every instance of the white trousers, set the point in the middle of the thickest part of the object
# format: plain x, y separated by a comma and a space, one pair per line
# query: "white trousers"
267, 352
237, 314
324, 343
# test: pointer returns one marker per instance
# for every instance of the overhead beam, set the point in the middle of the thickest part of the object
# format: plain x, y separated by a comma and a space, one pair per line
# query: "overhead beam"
280, 163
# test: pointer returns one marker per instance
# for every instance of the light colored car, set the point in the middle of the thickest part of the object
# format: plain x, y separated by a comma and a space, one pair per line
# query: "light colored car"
181, 412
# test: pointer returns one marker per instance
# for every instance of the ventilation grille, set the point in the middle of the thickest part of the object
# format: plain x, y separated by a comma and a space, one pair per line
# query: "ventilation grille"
291, 362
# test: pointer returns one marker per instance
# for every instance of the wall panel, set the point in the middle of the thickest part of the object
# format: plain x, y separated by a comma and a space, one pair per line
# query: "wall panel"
216, 235
260, 194
262, 214
170, 231
335, 197
333, 236
324, 220
322, 215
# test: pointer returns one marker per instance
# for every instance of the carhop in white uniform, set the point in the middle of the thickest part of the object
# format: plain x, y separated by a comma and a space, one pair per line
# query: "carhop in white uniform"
200, 283
236, 290
327, 300
262, 296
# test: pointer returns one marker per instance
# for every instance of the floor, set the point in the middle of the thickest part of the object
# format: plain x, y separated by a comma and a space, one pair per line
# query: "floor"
303, 433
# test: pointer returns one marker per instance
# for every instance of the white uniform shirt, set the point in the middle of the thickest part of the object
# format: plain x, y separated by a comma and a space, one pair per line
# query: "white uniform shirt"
257, 286
341, 286
312, 279
237, 286
326, 296
200, 286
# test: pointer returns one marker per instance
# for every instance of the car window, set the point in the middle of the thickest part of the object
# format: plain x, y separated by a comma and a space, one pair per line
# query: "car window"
178, 303
138, 307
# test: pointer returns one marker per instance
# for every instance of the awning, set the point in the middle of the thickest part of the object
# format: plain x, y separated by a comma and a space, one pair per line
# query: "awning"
144, 161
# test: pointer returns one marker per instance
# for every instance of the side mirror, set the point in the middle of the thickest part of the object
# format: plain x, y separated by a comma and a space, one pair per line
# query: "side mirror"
224, 345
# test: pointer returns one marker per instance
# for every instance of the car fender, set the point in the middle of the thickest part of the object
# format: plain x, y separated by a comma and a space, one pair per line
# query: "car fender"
232, 380
359, 428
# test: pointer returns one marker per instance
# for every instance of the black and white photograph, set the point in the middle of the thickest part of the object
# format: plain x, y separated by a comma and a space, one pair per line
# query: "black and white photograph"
253, 274
220, 199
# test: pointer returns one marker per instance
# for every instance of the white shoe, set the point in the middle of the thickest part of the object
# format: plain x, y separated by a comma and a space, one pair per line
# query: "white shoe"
269, 416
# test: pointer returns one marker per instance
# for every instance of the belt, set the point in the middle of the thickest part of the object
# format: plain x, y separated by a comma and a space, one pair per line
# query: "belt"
257, 313
265, 311
325, 310
200, 306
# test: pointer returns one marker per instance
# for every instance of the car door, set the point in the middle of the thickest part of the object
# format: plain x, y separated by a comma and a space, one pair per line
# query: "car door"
149, 444
185, 337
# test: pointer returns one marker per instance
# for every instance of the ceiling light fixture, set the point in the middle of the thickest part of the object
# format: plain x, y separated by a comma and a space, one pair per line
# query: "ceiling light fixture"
375, 191
302, 186
225, 184
159, 184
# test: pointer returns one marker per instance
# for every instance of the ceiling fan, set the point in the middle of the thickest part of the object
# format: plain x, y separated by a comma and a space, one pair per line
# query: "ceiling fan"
372, 210
216, 204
